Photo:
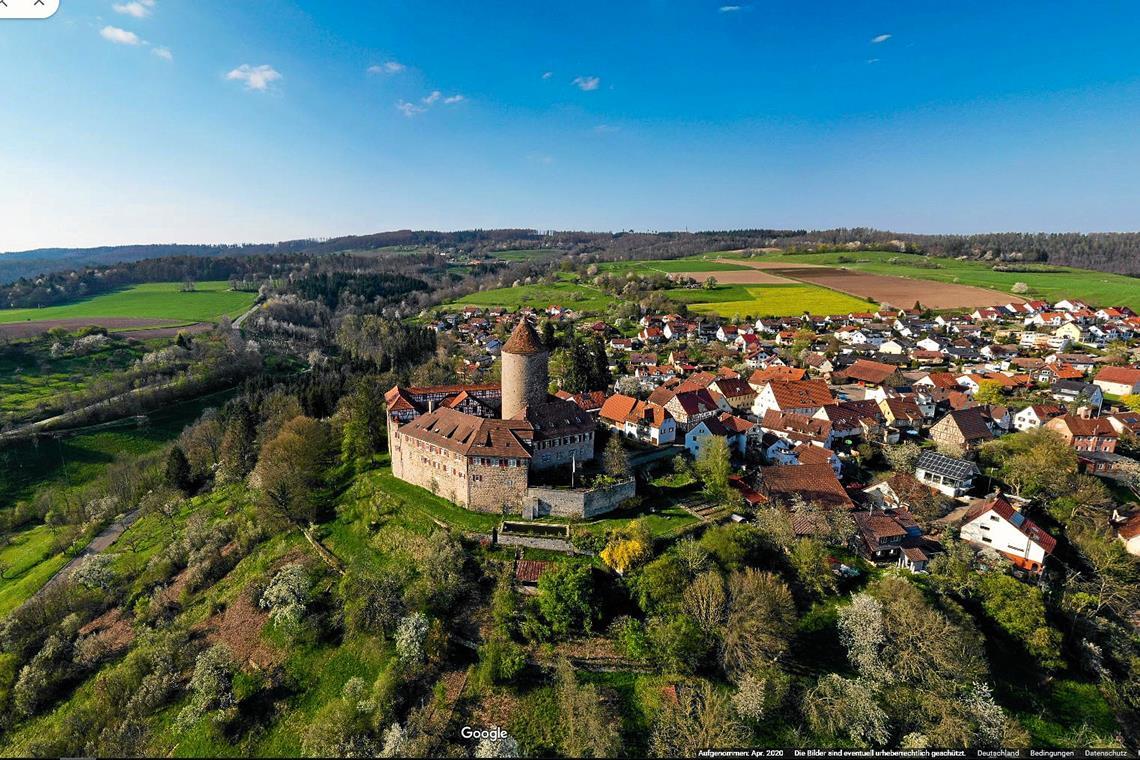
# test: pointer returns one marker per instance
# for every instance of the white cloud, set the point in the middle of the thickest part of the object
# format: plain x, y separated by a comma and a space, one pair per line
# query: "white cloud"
409, 109
388, 67
453, 99
119, 36
547, 74
729, 8
432, 97
255, 77
163, 53
603, 129
881, 38
587, 83
872, 60
135, 8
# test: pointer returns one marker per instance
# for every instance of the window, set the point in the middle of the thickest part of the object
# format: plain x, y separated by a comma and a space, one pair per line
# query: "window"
987, 539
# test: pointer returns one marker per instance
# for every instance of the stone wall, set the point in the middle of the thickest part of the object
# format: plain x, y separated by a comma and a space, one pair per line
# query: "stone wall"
578, 502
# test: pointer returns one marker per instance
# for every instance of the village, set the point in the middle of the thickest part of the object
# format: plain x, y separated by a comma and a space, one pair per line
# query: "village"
879, 415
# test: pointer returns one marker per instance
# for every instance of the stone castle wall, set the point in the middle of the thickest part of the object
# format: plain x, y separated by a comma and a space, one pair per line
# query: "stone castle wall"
578, 502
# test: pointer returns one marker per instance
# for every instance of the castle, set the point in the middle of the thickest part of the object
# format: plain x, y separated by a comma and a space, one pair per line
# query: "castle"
477, 444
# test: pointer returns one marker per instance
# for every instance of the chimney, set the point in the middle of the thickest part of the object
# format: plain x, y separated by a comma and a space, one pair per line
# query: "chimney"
431, 406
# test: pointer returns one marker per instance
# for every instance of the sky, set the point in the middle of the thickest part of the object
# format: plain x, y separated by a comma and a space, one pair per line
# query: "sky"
135, 121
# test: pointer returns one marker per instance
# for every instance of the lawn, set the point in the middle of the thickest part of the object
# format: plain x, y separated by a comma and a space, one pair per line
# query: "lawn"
769, 300
566, 294
1098, 288
152, 300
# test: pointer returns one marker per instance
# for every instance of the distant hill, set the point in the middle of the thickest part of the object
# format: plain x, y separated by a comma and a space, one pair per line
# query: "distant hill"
1117, 252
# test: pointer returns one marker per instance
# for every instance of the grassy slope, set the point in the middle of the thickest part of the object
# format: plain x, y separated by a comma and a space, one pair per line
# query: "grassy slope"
155, 300
1099, 288
30, 380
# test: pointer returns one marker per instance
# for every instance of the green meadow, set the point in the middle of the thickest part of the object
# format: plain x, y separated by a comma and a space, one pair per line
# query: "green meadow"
152, 300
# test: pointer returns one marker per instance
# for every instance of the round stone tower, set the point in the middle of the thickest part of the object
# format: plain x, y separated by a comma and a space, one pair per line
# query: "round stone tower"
525, 370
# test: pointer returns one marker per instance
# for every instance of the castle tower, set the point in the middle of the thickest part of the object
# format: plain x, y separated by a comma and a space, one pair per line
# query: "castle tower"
525, 370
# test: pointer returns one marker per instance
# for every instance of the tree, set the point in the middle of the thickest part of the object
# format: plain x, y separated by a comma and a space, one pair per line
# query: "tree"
700, 718
1020, 611
706, 600
628, 546
365, 424
589, 727
411, 634
566, 598
903, 456
989, 392
861, 630
287, 597
177, 472
290, 472
759, 623
238, 453
846, 708
1019, 288
677, 643
211, 686
710, 283
615, 460
1132, 401
714, 465
1036, 462
812, 563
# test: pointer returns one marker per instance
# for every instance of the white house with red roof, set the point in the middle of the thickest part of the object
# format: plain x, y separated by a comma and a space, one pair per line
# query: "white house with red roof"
996, 524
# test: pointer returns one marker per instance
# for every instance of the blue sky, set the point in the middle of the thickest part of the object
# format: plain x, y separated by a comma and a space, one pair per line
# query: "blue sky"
171, 121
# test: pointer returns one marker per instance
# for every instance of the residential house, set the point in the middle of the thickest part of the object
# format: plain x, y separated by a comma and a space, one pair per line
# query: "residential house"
739, 393
866, 372
648, 423
902, 412
964, 429
996, 524
1035, 416
698, 436
1076, 393
811, 483
1118, 381
953, 477
1085, 433
801, 396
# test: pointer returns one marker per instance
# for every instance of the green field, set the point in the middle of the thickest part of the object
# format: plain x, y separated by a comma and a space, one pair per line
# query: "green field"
1098, 288
670, 266
770, 300
152, 300
566, 294
522, 254
725, 300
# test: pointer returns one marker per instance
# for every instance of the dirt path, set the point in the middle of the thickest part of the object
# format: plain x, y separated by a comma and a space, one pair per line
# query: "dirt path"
99, 544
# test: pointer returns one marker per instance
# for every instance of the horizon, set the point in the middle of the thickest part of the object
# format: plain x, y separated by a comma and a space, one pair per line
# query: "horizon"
146, 122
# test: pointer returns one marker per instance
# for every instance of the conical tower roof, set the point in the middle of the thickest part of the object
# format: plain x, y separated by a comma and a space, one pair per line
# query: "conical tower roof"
524, 340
